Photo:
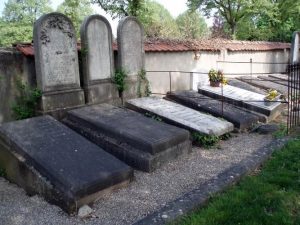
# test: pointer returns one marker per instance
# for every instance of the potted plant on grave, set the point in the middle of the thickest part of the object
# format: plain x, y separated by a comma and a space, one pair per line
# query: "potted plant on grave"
216, 77
271, 96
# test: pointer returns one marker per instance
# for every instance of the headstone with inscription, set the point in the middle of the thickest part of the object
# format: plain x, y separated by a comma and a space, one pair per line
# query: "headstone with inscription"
131, 52
56, 62
97, 59
45, 157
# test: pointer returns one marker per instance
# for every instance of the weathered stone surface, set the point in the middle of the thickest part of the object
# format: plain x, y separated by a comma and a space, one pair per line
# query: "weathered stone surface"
247, 99
242, 119
267, 128
56, 62
246, 86
133, 138
44, 156
181, 116
97, 58
280, 76
274, 80
130, 45
294, 56
265, 84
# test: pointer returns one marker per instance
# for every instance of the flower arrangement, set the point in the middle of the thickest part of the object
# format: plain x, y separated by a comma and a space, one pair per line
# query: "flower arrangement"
271, 95
216, 77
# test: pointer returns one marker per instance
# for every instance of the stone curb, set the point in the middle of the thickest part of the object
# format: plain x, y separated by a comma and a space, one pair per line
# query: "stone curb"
199, 196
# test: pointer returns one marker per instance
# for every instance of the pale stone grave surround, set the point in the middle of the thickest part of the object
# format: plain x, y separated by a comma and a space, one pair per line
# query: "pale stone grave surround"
294, 58
181, 116
56, 62
131, 54
243, 97
97, 60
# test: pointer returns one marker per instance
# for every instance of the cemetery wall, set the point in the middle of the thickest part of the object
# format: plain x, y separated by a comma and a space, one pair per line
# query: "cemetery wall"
14, 66
203, 61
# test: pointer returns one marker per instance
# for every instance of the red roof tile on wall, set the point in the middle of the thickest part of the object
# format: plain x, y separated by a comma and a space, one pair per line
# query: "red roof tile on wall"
163, 45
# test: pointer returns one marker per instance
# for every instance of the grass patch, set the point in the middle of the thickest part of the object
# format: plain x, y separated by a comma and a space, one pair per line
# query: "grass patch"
270, 198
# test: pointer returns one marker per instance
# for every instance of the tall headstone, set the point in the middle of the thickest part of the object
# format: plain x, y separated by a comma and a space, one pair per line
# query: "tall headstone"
294, 53
56, 62
97, 59
131, 53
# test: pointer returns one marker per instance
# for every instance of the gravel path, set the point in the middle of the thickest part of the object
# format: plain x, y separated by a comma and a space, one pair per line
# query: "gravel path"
148, 193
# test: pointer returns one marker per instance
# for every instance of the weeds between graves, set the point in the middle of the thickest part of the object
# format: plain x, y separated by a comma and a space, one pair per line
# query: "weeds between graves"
120, 81
2, 171
143, 79
207, 141
153, 116
27, 101
281, 132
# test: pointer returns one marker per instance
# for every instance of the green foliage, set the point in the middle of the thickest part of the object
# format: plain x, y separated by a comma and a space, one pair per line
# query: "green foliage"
282, 132
120, 79
153, 116
204, 140
157, 21
143, 81
191, 25
2, 172
26, 102
270, 198
16, 24
76, 10
121, 8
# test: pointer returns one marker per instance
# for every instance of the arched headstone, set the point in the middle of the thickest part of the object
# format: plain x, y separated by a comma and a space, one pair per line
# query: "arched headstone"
97, 58
131, 45
294, 53
56, 62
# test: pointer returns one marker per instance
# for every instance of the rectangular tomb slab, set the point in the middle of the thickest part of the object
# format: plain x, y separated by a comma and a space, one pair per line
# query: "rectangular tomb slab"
241, 118
243, 98
181, 116
45, 157
135, 139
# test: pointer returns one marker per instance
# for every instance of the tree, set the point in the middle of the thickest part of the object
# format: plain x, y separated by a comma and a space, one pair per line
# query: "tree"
232, 11
76, 10
16, 24
191, 25
157, 21
25, 11
121, 8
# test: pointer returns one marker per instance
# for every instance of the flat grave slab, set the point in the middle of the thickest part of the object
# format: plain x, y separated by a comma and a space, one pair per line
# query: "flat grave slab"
243, 98
45, 157
181, 116
246, 86
141, 142
274, 80
241, 118
265, 84
280, 76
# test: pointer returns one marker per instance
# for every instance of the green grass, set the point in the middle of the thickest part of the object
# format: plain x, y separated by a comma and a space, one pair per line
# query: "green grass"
270, 198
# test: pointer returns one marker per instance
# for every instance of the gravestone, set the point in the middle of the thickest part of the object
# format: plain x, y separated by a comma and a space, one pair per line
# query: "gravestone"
294, 53
241, 118
181, 116
56, 62
243, 98
97, 60
139, 141
45, 157
131, 51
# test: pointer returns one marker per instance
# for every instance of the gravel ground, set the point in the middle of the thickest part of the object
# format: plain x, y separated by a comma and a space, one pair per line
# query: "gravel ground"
148, 193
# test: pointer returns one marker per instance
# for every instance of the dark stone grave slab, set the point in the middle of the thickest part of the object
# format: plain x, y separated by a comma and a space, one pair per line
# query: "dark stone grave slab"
241, 118
45, 157
280, 76
265, 84
243, 98
274, 80
246, 86
141, 142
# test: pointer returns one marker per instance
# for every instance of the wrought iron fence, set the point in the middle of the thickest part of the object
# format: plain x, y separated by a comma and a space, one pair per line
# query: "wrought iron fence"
293, 71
